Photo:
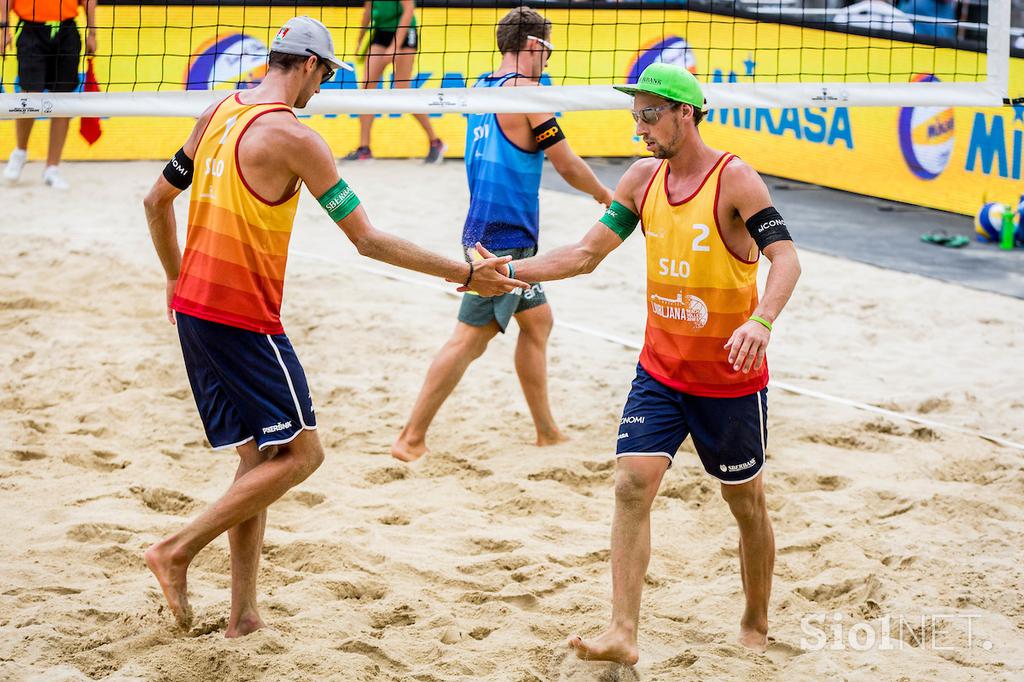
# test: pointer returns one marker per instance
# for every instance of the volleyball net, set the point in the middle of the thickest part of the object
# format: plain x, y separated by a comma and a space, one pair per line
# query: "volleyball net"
170, 58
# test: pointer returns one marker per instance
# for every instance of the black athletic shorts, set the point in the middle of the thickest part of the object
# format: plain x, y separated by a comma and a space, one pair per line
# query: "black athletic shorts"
48, 56
385, 38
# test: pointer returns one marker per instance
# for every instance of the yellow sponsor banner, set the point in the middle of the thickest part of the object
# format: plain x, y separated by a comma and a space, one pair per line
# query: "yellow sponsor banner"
952, 159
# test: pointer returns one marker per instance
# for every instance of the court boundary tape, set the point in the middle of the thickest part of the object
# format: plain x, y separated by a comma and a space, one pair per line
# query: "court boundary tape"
421, 281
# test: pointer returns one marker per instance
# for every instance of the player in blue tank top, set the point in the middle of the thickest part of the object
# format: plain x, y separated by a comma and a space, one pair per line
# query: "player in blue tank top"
504, 182
504, 157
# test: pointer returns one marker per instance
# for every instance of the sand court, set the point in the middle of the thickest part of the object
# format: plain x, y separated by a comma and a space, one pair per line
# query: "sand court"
477, 562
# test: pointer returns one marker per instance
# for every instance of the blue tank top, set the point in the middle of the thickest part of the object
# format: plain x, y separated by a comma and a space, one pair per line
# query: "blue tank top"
504, 182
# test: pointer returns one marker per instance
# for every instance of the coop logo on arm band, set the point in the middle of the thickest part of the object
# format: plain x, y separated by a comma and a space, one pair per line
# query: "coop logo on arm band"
548, 134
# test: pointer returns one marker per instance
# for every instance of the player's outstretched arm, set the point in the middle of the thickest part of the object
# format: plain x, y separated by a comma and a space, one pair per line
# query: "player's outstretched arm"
313, 162
159, 204
583, 257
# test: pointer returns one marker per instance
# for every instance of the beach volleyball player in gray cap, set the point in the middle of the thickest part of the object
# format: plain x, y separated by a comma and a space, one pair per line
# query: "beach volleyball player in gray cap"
248, 156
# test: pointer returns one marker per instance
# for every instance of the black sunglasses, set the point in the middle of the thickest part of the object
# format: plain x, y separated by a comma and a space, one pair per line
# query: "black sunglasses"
329, 73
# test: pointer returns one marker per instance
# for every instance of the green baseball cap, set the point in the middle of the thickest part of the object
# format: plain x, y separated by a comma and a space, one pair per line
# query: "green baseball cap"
670, 82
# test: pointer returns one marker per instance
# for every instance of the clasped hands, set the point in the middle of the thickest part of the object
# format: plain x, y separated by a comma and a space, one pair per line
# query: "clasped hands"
490, 275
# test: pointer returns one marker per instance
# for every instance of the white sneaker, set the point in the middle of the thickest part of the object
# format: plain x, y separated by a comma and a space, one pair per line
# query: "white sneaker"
15, 164
51, 177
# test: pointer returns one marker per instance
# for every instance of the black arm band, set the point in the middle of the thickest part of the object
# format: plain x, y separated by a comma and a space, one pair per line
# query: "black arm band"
178, 170
767, 227
547, 134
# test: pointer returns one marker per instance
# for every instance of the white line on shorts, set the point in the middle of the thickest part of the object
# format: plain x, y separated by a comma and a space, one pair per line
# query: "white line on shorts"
291, 387
399, 276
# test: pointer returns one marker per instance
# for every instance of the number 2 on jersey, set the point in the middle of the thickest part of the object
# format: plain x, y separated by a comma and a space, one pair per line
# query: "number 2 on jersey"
698, 241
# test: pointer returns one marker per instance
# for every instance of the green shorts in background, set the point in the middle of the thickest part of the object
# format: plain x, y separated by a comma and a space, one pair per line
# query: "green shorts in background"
477, 311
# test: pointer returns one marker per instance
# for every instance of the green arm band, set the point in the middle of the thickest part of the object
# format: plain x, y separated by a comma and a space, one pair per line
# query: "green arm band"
339, 201
620, 220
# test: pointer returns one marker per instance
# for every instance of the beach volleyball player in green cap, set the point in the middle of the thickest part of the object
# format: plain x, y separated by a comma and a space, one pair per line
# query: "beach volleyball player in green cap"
706, 218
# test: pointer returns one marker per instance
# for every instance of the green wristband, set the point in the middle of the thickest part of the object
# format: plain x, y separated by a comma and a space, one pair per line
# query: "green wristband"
511, 270
339, 201
620, 220
760, 320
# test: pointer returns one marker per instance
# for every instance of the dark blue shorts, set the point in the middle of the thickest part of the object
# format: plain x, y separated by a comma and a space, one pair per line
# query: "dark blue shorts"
730, 434
246, 385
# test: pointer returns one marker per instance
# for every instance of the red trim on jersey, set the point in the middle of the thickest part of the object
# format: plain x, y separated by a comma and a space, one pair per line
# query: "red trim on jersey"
206, 127
650, 183
668, 197
718, 227
256, 104
238, 165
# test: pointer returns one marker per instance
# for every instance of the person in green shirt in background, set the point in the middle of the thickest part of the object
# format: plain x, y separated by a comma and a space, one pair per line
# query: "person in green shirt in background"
394, 39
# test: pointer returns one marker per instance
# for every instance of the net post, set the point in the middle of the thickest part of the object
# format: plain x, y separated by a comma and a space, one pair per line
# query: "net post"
998, 48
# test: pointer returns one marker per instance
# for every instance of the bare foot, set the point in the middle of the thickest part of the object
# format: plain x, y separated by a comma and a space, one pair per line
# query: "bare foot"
246, 624
171, 574
612, 645
754, 639
553, 438
408, 450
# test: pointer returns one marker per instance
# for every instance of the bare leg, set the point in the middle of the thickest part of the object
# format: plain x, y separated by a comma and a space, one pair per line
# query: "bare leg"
466, 345
22, 130
376, 60
757, 558
246, 541
365, 124
58, 135
403, 76
532, 367
249, 495
636, 484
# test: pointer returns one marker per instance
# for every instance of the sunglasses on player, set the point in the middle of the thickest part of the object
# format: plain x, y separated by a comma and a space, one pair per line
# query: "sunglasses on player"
651, 115
329, 70
550, 46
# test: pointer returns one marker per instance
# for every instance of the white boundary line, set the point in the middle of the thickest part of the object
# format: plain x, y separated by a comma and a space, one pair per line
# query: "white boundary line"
399, 276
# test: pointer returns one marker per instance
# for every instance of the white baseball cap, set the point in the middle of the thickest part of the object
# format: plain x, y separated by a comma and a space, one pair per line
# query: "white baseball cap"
305, 36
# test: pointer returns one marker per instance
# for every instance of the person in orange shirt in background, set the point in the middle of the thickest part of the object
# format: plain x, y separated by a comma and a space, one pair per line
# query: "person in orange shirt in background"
49, 49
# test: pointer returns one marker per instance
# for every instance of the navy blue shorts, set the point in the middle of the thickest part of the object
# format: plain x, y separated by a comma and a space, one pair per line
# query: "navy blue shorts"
730, 434
246, 385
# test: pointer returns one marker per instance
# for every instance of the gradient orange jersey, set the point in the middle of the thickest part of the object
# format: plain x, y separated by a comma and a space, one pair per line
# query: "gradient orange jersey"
698, 291
232, 270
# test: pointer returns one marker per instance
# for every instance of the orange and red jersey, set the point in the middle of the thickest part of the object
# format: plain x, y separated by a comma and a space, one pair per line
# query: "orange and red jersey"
233, 266
698, 291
